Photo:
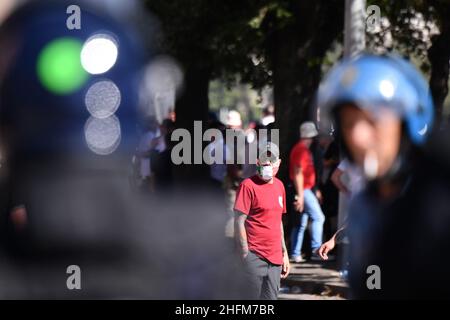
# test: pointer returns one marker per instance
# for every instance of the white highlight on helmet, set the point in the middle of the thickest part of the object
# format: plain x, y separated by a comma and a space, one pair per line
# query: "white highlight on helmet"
99, 54
386, 89
424, 130
102, 135
102, 99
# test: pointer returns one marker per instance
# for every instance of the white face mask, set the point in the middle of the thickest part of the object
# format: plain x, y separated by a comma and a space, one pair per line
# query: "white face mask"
266, 173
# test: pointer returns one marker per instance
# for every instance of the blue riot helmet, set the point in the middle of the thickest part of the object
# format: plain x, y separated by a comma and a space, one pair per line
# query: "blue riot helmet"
68, 117
371, 82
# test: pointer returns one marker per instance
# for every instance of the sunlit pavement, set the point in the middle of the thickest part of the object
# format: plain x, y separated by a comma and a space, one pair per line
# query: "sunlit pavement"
313, 280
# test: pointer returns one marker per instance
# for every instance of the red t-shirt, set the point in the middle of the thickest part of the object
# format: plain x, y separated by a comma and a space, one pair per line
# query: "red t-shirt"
301, 157
263, 203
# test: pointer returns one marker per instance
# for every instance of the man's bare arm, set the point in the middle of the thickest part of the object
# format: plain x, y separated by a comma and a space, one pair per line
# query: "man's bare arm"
285, 268
240, 232
330, 244
298, 183
283, 243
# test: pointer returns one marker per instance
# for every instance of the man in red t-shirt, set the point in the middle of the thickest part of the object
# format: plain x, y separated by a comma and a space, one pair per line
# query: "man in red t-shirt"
303, 177
260, 203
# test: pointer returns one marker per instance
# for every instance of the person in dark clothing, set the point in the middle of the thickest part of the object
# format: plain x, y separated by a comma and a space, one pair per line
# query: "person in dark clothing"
330, 193
405, 234
160, 157
399, 225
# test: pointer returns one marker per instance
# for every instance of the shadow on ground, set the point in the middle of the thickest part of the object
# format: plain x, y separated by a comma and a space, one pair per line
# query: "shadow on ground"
314, 281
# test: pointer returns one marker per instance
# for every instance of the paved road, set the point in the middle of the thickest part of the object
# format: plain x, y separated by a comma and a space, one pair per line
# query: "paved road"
313, 281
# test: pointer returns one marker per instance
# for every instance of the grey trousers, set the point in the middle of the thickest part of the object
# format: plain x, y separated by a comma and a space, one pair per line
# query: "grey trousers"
263, 277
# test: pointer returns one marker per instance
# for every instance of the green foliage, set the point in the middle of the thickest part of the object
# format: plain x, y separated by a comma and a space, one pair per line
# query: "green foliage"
226, 37
233, 39
238, 96
410, 36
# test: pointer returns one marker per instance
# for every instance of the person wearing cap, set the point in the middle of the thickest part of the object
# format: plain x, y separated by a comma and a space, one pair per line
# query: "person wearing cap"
399, 225
303, 177
260, 204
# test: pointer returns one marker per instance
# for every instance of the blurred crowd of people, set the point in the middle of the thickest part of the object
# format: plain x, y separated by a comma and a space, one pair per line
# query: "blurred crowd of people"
316, 175
152, 164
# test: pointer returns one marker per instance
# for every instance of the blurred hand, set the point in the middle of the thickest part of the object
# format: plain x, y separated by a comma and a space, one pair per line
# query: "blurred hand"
244, 253
326, 247
319, 196
286, 267
299, 204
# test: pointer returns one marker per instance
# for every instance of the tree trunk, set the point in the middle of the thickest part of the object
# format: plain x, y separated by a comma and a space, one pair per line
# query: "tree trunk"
193, 106
439, 56
297, 54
